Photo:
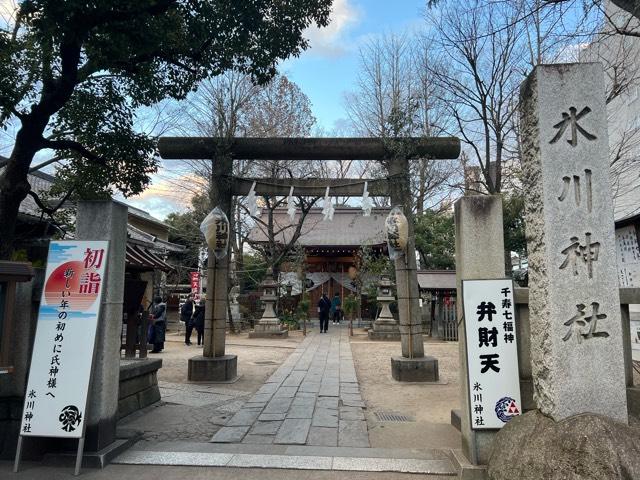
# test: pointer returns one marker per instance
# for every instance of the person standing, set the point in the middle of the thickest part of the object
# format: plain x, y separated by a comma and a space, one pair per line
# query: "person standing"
324, 307
159, 312
336, 305
186, 312
198, 321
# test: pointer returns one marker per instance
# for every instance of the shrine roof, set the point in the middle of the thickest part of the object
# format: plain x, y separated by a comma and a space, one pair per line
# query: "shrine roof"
348, 228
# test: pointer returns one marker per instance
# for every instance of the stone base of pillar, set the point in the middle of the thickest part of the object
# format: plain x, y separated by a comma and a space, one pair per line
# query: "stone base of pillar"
269, 330
213, 369
423, 369
384, 329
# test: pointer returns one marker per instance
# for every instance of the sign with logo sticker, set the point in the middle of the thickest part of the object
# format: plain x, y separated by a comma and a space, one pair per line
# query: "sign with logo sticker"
492, 353
60, 373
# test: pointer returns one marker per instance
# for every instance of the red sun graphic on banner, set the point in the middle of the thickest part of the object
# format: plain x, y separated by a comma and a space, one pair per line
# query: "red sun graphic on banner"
83, 286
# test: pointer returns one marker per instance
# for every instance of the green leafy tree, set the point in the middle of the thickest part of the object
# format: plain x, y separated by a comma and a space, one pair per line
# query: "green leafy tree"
185, 230
436, 240
74, 73
253, 273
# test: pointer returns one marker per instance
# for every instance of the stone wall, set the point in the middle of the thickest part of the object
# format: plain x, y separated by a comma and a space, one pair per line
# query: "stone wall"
138, 385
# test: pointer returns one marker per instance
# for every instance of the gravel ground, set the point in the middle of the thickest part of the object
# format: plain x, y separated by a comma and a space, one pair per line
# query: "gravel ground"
429, 406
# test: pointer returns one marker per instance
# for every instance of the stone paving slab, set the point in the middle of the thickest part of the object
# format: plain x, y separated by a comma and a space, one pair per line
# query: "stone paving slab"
230, 434
325, 417
351, 413
329, 390
353, 433
312, 398
322, 436
268, 417
327, 402
261, 397
301, 411
246, 416
265, 428
293, 431
288, 392
278, 405
258, 439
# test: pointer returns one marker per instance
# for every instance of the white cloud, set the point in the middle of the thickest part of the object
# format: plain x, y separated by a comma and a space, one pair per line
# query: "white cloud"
170, 191
331, 41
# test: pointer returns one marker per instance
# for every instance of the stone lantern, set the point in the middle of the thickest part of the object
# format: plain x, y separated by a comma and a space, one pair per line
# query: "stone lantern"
385, 326
269, 325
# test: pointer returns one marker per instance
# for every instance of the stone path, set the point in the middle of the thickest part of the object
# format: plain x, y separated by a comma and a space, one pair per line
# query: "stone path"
312, 399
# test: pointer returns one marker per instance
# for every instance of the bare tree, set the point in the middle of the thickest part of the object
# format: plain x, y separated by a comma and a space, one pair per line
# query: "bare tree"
478, 76
231, 105
395, 97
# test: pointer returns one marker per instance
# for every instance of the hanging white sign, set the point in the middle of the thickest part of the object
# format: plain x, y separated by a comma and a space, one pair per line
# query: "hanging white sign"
327, 207
367, 203
492, 352
291, 206
56, 395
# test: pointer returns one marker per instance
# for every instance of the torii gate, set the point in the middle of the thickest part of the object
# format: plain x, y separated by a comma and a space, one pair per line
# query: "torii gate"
214, 365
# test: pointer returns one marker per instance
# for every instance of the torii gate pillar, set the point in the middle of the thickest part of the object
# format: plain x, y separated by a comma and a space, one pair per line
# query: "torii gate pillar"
213, 365
413, 365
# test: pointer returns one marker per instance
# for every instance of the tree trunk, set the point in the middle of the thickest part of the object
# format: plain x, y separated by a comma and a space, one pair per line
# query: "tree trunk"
14, 185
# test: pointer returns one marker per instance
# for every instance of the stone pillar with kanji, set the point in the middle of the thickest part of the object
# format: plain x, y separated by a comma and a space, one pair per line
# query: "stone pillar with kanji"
576, 333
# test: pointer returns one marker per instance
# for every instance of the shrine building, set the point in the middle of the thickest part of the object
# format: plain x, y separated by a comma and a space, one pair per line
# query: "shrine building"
331, 248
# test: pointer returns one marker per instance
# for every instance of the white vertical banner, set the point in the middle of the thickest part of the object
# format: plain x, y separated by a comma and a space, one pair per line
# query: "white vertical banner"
56, 395
492, 352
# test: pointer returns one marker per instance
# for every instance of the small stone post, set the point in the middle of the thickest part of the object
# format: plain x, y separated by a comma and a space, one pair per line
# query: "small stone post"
385, 326
213, 365
412, 366
574, 303
105, 220
479, 256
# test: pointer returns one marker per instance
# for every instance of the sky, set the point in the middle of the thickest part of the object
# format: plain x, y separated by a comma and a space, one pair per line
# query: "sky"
329, 68
324, 72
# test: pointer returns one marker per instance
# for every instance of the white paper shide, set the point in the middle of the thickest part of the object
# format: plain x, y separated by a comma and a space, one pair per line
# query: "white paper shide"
56, 395
492, 354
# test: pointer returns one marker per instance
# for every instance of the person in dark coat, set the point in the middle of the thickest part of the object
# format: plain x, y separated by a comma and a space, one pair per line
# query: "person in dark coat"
324, 307
186, 312
336, 305
159, 312
198, 321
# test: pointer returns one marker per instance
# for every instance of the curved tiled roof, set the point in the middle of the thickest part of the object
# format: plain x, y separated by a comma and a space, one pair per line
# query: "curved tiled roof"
348, 228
